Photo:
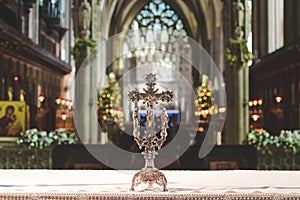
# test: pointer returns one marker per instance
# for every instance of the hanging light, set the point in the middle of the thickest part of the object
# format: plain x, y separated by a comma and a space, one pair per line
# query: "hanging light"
64, 116
260, 101
58, 100
67, 102
255, 117
278, 99
255, 102
250, 103
71, 103
41, 97
16, 78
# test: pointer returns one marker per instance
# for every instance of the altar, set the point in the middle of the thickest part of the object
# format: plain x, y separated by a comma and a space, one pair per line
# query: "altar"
115, 184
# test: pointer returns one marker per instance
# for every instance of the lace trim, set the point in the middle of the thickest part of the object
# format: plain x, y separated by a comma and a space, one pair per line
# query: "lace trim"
150, 196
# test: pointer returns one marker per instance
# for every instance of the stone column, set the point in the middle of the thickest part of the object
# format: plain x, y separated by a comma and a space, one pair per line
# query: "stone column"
81, 112
236, 78
95, 71
82, 21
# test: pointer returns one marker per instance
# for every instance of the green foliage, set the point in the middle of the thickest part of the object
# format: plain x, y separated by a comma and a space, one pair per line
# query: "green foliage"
79, 50
237, 53
40, 139
286, 139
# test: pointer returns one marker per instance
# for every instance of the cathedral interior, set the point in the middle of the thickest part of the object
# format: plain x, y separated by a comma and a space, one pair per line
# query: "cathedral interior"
67, 67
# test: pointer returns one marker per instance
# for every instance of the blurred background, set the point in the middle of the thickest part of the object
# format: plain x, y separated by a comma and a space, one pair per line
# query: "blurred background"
254, 44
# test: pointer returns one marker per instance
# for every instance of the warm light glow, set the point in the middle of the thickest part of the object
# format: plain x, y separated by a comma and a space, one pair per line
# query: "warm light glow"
41, 97
16, 78
64, 116
250, 103
255, 117
63, 101
200, 129
112, 75
71, 103
255, 102
222, 109
260, 102
278, 99
58, 101
67, 102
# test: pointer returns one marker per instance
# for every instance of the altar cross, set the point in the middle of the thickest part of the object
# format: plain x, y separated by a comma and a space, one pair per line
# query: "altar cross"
150, 96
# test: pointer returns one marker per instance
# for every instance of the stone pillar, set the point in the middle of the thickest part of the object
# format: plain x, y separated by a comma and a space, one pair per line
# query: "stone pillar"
100, 33
236, 77
82, 21
90, 22
81, 103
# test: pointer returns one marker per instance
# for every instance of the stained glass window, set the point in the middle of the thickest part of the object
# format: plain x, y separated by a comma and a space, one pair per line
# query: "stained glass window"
160, 16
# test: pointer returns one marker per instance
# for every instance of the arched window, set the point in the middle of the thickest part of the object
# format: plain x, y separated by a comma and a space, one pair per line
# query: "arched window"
158, 36
158, 39
157, 17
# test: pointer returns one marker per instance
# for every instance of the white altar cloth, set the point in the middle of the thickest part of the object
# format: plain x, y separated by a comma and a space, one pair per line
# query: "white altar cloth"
105, 184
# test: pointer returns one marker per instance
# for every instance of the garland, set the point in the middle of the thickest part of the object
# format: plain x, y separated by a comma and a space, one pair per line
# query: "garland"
79, 50
235, 49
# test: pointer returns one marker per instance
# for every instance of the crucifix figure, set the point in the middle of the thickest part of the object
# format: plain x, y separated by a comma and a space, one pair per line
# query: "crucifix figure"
150, 142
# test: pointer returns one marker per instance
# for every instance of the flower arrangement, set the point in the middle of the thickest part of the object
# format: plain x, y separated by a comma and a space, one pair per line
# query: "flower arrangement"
205, 100
238, 48
109, 103
286, 139
40, 139
290, 138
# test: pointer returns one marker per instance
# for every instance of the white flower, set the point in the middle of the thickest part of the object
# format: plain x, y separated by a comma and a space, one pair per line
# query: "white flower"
50, 134
43, 133
40, 139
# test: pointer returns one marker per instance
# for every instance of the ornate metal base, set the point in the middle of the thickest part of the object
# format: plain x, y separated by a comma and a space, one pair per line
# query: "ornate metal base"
149, 176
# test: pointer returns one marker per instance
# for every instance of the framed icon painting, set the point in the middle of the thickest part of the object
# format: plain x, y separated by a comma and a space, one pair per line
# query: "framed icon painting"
12, 119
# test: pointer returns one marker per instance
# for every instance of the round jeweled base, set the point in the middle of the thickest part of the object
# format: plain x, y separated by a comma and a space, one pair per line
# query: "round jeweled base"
149, 176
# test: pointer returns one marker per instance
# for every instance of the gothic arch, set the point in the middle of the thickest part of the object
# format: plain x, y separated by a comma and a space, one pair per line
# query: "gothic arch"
189, 11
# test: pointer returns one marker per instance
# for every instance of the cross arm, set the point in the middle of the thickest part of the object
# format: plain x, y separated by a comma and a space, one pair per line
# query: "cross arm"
165, 96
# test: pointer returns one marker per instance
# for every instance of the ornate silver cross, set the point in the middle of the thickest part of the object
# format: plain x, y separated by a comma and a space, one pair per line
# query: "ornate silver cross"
150, 142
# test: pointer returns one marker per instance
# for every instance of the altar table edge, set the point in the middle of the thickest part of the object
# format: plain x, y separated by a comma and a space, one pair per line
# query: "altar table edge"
114, 184
142, 195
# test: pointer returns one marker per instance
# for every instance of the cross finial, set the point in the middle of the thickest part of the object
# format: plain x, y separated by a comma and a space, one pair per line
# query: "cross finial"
151, 78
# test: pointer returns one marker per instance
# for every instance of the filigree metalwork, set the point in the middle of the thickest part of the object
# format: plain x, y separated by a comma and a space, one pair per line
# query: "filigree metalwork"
150, 142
